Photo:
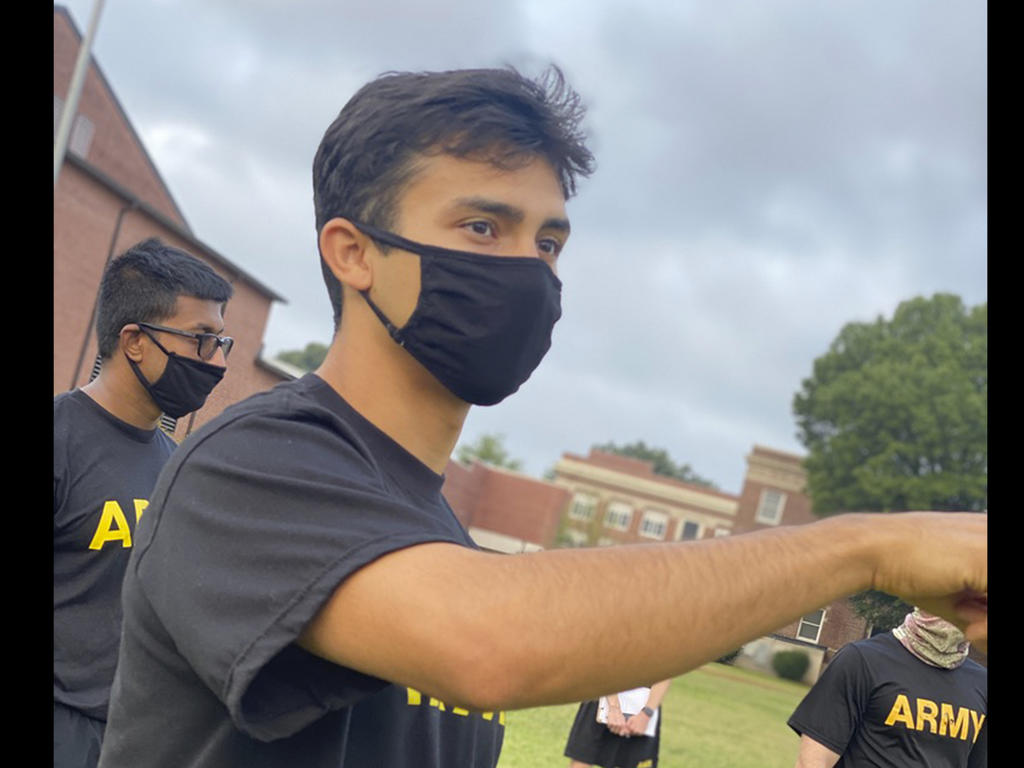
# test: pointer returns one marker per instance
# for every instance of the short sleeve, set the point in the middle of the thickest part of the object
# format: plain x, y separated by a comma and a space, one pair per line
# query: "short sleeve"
255, 526
831, 711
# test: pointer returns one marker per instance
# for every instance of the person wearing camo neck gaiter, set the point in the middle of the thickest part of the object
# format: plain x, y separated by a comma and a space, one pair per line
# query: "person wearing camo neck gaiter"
909, 697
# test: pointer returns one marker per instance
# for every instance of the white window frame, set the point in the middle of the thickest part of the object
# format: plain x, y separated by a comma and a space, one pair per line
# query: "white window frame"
807, 621
618, 516
769, 513
653, 517
582, 507
578, 538
82, 129
682, 528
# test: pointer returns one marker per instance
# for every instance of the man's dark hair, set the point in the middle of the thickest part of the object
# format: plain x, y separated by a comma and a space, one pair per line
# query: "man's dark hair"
143, 285
367, 155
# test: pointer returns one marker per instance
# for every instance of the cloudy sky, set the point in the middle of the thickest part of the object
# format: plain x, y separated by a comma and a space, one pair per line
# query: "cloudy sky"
766, 172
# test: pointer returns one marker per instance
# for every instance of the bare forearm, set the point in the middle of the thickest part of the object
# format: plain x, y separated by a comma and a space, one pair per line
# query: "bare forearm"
658, 691
500, 632
661, 610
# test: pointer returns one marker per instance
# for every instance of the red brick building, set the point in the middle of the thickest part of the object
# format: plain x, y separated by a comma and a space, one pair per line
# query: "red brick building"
504, 511
109, 195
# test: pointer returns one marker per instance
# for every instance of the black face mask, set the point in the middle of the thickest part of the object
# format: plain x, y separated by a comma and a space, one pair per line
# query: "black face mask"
482, 323
183, 386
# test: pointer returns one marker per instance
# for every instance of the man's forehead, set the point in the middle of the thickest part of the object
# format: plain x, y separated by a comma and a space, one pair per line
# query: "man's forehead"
191, 313
505, 210
445, 180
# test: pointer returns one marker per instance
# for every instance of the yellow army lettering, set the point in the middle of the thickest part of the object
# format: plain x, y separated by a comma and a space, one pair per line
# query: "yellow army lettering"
956, 726
947, 724
113, 526
415, 699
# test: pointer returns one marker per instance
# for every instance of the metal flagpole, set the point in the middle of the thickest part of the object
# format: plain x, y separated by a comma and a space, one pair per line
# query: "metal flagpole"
60, 143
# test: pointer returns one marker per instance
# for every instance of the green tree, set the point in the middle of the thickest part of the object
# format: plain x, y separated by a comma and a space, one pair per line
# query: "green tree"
882, 611
307, 359
895, 415
895, 418
489, 449
661, 461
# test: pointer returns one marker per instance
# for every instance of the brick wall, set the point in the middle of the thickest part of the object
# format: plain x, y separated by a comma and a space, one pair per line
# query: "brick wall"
505, 502
115, 148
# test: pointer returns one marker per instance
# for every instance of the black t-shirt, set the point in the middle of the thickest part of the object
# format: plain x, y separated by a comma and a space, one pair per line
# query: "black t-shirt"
103, 473
876, 704
254, 523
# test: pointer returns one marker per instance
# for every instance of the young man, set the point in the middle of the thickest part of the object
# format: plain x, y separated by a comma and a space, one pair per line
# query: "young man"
909, 697
301, 594
157, 321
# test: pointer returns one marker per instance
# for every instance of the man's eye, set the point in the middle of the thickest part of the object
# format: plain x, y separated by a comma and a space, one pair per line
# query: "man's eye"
549, 247
484, 228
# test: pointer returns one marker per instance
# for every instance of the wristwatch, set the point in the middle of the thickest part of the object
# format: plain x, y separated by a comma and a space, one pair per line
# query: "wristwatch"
648, 711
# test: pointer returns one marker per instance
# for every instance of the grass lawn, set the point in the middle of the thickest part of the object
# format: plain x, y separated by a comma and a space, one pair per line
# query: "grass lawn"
714, 717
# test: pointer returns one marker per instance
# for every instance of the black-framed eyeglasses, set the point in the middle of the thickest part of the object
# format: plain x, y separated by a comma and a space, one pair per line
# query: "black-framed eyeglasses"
207, 344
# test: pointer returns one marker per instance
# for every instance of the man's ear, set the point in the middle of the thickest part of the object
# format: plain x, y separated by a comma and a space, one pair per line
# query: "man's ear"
344, 249
130, 342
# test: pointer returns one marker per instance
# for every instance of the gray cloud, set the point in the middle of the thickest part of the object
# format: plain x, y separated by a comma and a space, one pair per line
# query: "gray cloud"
766, 173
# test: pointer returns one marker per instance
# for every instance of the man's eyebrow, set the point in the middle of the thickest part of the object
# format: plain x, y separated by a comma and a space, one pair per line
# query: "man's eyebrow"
506, 211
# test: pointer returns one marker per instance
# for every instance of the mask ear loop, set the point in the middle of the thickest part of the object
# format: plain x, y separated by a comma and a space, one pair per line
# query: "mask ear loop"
387, 238
394, 332
135, 366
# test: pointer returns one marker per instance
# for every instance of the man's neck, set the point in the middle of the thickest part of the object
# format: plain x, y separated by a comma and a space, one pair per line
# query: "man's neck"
124, 400
394, 393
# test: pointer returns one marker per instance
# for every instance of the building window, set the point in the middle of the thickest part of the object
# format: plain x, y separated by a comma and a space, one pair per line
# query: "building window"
810, 626
654, 524
575, 538
689, 530
582, 507
82, 129
618, 516
769, 510
81, 136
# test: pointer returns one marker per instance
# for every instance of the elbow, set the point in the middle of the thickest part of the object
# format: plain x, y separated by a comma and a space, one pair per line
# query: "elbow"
487, 673
481, 679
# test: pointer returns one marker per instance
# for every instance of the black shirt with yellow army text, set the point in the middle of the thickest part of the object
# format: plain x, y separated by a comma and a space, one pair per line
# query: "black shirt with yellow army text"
254, 523
878, 705
103, 473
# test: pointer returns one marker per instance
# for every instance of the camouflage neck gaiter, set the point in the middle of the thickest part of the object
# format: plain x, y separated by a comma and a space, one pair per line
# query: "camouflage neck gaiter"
933, 640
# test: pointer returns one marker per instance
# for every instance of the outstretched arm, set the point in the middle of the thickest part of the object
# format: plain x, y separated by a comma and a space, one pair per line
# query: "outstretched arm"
489, 631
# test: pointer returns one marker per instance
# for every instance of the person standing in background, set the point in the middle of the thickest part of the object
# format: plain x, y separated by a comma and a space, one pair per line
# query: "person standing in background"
906, 698
618, 731
158, 317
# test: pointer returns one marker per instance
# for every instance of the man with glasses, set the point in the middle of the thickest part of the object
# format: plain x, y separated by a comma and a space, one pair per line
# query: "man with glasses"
158, 320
